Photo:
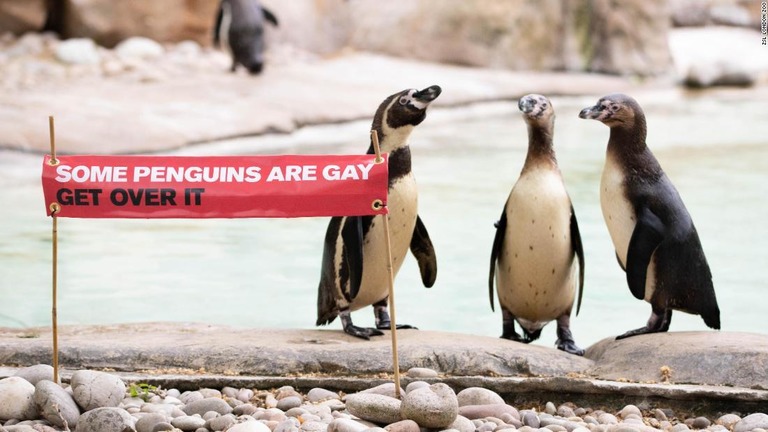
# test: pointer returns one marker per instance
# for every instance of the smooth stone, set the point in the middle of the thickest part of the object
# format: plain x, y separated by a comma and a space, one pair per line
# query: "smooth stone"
550, 408
404, 426
189, 397
291, 424
210, 393
244, 395
17, 399
163, 427
287, 391
386, 389
565, 411
188, 423
624, 428
752, 421
630, 409
414, 385
221, 422
433, 407
531, 419
105, 419
680, 427
346, 425
36, 373
77, 51
313, 426
554, 427
478, 396
462, 424
374, 407
318, 394
250, 426
289, 402
147, 422
208, 404
473, 412
728, 420
56, 404
607, 418
95, 389
245, 409
333, 404
701, 423
420, 372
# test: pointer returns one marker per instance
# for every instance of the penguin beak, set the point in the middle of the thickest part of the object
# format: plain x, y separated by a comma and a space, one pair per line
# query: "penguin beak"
428, 94
589, 113
526, 104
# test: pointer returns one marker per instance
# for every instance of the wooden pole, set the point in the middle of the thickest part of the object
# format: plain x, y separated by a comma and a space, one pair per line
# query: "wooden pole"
391, 279
55, 208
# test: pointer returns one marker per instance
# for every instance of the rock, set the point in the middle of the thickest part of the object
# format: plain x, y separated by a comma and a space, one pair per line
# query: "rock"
607, 418
728, 420
419, 372
473, 412
79, 51
146, 423
319, 394
387, 389
752, 421
313, 426
94, 389
208, 404
250, 426
630, 409
105, 419
36, 373
289, 402
17, 399
56, 404
700, 423
478, 396
565, 411
22, 16
163, 426
550, 408
374, 407
403, 426
346, 425
220, 423
414, 385
188, 423
435, 406
139, 47
462, 424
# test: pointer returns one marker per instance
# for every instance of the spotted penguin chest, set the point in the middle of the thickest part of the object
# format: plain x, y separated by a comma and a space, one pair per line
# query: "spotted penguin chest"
619, 215
535, 269
402, 203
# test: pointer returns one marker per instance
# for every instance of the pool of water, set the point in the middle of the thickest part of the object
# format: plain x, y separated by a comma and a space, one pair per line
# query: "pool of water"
264, 272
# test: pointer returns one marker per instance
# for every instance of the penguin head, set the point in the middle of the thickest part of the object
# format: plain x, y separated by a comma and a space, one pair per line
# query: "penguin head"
614, 110
537, 109
399, 113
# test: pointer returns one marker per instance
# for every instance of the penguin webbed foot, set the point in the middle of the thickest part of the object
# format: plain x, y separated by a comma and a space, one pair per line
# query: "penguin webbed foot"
569, 346
513, 336
383, 322
639, 331
658, 323
362, 332
386, 325
565, 340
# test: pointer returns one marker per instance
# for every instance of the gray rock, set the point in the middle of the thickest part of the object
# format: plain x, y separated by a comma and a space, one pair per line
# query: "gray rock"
462, 424
189, 397
188, 423
752, 421
680, 427
139, 47
435, 406
80, 51
36, 373
728, 420
147, 422
56, 404
320, 394
163, 427
565, 411
374, 407
701, 423
478, 396
17, 399
414, 385
94, 389
550, 408
105, 419
346, 425
387, 389
208, 404
473, 412
419, 372
250, 426
630, 409
244, 409
607, 418
403, 426
244, 395
530, 418
221, 422
313, 426
289, 402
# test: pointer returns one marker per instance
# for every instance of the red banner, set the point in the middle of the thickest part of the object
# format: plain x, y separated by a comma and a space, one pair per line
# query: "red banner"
215, 187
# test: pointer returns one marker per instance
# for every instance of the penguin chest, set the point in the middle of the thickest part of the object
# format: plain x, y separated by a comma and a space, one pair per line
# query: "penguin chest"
402, 203
535, 269
619, 215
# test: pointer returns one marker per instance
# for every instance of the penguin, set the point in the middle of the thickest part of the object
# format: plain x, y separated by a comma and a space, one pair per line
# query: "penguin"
537, 250
354, 272
240, 29
656, 242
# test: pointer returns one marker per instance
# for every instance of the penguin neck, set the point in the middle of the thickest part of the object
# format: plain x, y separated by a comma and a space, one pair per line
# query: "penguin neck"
399, 155
628, 140
540, 147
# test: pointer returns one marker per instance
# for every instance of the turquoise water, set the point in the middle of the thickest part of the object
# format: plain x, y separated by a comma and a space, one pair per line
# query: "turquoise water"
264, 272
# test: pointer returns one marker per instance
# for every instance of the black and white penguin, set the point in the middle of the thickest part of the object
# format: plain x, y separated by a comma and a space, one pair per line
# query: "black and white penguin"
240, 29
656, 242
354, 270
537, 250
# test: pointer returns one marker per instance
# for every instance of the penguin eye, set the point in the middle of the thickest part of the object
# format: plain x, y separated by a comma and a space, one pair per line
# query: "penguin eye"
544, 105
403, 100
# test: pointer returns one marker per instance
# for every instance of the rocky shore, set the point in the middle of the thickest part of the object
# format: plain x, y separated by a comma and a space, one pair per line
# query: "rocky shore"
97, 401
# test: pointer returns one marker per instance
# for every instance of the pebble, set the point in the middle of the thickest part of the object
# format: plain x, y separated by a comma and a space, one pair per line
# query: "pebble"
105, 419
419, 372
478, 396
751, 422
94, 389
374, 407
431, 407
36, 373
56, 404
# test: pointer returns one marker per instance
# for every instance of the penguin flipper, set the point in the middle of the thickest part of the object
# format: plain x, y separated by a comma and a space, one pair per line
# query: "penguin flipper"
217, 26
578, 248
327, 307
352, 236
646, 237
269, 16
498, 241
424, 251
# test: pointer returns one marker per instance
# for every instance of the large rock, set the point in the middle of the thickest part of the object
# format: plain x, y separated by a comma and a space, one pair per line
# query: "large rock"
107, 419
94, 389
17, 399
36, 373
19, 16
708, 357
374, 407
433, 407
56, 404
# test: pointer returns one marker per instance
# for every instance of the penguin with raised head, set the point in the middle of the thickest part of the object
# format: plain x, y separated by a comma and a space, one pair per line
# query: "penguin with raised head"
656, 243
354, 271
537, 257
240, 29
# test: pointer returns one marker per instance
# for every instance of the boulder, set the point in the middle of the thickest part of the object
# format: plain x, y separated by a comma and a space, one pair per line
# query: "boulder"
17, 399
20, 16
105, 419
94, 389
56, 404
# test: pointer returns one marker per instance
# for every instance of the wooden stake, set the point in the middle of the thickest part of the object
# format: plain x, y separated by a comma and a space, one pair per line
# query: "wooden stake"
391, 281
55, 208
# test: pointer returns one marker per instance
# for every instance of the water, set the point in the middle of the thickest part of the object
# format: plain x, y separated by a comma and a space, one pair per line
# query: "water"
264, 272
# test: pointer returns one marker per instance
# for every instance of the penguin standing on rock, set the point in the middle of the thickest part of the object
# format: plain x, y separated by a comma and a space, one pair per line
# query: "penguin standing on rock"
354, 270
656, 242
537, 250
240, 29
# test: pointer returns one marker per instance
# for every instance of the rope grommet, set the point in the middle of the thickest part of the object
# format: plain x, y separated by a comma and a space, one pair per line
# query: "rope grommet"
377, 204
54, 208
